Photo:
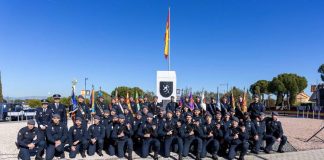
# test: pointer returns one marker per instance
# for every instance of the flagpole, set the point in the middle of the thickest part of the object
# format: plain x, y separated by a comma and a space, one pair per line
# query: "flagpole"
169, 39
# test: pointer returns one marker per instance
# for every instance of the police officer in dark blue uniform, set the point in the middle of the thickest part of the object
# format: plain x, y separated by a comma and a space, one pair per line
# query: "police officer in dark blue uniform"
58, 108
122, 134
256, 107
172, 106
56, 136
78, 139
29, 142
237, 137
212, 133
96, 134
260, 129
43, 118
100, 106
148, 132
83, 112
192, 133
169, 132
108, 137
274, 132
155, 106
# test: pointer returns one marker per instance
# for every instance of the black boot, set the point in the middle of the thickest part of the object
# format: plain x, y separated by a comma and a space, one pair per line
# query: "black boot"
241, 158
83, 155
198, 156
155, 157
215, 157
130, 155
100, 153
62, 156
180, 157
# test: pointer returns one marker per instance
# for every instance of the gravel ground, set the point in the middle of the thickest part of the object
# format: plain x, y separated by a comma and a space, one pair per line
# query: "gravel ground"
297, 131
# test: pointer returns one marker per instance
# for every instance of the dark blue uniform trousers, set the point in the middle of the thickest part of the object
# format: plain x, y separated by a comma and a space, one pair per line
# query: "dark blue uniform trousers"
79, 148
51, 151
25, 153
242, 147
122, 144
209, 145
188, 142
168, 143
147, 143
98, 146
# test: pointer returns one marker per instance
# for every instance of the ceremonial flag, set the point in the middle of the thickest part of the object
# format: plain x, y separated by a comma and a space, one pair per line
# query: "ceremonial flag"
218, 104
244, 103
74, 101
191, 102
232, 100
181, 101
92, 100
167, 37
137, 102
128, 103
203, 101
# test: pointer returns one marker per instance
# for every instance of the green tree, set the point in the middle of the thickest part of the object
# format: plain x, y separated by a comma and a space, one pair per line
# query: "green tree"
260, 88
321, 71
34, 103
278, 88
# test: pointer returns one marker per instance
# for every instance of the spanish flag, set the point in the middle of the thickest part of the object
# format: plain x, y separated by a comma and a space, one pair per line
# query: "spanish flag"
167, 37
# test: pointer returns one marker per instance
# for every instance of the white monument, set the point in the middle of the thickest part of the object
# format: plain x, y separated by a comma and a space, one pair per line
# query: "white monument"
166, 85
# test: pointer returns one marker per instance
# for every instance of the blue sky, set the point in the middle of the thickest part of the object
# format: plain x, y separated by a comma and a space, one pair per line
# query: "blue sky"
45, 44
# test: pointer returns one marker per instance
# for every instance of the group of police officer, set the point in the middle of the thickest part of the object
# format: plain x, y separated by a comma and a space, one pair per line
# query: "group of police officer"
121, 128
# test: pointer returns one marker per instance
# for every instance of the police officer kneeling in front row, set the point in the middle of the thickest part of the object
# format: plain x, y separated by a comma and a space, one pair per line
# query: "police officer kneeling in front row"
96, 134
237, 138
78, 139
29, 142
122, 134
148, 133
56, 134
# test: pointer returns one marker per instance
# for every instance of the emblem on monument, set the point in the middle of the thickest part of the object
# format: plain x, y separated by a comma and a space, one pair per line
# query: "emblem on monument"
166, 88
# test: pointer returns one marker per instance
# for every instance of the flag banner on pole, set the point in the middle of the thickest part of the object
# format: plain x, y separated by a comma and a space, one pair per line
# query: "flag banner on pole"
137, 102
167, 37
191, 102
244, 103
92, 100
203, 102
128, 103
232, 99
218, 104
74, 101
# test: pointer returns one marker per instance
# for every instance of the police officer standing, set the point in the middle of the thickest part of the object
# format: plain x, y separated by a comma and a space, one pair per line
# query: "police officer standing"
172, 106
155, 106
83, 112
43, 118
122, 134
29, 142
256, 107
58, 108
57, 135
96, 134
78, 139
100, 106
